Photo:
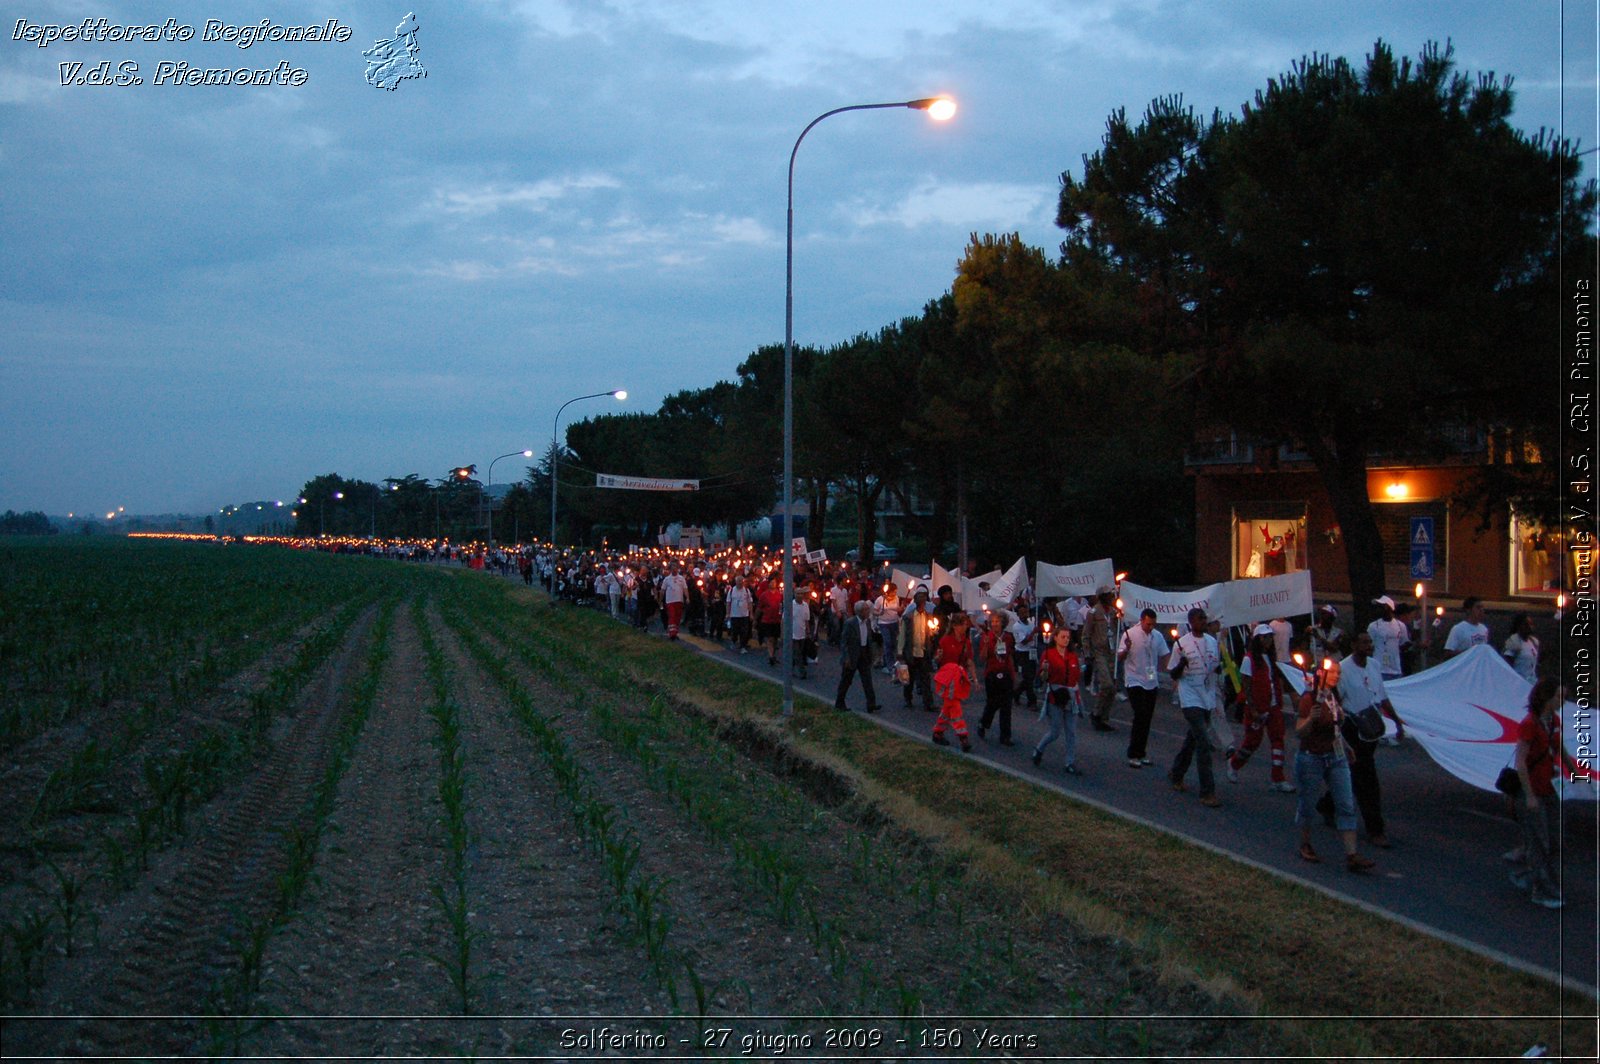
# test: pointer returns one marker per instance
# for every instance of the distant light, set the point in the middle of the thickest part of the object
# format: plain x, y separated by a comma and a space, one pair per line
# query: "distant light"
526, 454
1397, 490
1419, 590
338, 495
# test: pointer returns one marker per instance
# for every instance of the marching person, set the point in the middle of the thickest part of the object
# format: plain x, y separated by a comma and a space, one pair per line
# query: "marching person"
1389, 638
1539, 752
954, 680
855, 657
1024, 635
1361, 686
1521, 649
1263, 707
1195, 663
919, 645
998, 650
1468, 632
886, 611
1141, 652
1060, 667
674, 595
1098, 631
1325, 637
1322, 759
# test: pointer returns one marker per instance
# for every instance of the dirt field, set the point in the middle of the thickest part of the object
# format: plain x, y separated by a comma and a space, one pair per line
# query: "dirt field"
444, 839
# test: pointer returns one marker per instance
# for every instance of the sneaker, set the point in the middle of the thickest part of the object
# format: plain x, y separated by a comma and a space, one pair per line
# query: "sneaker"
1145, 761
1549, 901
1072, 770
1037, 757
1233, 773
940, 740
1134, 762
1282, 787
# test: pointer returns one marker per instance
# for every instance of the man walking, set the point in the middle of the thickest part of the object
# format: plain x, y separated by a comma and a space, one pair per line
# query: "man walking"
1141, 653
1361, 686
919, 645
1195, 663
855, 656
1098, 629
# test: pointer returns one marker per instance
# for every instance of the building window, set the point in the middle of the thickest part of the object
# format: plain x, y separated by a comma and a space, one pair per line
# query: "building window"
1269, 538
1537, 556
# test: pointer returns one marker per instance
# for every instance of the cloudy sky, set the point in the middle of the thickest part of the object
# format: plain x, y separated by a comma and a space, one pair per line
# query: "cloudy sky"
210, 294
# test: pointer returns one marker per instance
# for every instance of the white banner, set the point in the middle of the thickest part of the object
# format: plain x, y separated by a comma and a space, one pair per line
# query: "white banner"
1083, 580
905, 583
1253, 601
608, 480
1172, 607
1004, 590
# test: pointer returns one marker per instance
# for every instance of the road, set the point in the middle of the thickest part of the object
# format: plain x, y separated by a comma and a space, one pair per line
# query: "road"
1443, 875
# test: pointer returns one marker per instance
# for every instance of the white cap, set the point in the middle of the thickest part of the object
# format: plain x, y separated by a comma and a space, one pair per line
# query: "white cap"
1384, 600
1262, 629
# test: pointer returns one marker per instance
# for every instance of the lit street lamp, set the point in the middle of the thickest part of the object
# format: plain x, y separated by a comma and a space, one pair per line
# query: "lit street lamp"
555, 452
526, 452
939, 108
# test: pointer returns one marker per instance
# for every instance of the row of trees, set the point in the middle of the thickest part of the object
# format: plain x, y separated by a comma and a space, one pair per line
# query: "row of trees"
1358, 262
455, 507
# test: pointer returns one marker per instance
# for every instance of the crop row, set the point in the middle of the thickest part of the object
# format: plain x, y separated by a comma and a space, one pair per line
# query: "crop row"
230, 998
173, 783
83, 625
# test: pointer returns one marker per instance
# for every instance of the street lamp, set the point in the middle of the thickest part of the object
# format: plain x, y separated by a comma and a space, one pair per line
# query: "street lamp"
620, 395
526, 452
939, 108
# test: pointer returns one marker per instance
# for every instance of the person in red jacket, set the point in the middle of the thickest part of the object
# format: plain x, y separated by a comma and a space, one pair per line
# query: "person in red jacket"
953, 680
769, 618
1263, 708
998, 649
1061, 674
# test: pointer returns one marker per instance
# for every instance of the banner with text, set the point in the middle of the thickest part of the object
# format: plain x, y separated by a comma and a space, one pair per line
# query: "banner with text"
1172, 607
608, 480
1254, 601
1083, 580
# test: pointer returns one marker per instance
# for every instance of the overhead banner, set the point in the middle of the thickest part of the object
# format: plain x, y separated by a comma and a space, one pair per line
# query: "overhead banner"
1254, 601
1082, 580
608, 480
1172, 607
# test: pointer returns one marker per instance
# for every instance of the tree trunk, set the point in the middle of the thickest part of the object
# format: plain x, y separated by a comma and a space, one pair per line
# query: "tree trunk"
1344, 476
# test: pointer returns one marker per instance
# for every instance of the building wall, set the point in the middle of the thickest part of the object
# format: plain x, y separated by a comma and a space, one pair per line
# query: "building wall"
1471, 562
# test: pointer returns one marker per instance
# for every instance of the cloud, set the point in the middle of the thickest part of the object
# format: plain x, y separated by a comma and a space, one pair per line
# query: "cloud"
971, 206
489, 198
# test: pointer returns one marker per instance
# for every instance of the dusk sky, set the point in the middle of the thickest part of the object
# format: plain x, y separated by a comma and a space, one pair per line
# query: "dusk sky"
211, 294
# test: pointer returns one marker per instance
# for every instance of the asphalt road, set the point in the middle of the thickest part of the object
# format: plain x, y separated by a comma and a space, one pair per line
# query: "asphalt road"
1443, 873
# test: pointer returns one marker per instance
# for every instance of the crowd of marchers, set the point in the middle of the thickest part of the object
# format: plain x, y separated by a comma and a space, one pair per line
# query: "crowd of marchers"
1075, 659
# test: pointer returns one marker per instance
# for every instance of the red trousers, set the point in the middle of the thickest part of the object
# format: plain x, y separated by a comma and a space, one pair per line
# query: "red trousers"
675, 614
1270, 722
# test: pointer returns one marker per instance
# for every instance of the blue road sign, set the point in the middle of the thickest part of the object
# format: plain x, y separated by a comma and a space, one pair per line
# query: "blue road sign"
1422, 544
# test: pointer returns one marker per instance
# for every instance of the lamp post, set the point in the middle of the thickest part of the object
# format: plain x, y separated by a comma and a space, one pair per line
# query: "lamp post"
939, 108
526, 452
555, 452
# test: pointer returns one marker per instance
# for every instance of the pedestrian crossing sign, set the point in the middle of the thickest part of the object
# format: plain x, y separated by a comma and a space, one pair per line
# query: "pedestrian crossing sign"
1422, 544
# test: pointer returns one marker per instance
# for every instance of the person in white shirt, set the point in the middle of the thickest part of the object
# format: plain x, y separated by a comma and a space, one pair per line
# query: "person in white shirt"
1468, 632
800, 628
1324, 637
886, 613
1141, 652
1360, 686
1195, 663
739, 603
1389, 637
1282, 636
1024, 633
1521, 648
674, 593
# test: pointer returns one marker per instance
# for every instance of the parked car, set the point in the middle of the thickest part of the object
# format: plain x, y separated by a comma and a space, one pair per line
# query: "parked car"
881, 551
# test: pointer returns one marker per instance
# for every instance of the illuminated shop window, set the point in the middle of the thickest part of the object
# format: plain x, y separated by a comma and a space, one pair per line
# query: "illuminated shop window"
1269, 538
1538, 553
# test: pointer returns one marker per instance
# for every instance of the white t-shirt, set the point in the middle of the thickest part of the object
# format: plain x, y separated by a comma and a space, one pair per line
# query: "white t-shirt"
1145, 652
674, 588
888, 612
1360, 687
1022, 635
1197, 687
1387, 639
800, 612
738, 602
1466, 635
1282, 636
1523, 654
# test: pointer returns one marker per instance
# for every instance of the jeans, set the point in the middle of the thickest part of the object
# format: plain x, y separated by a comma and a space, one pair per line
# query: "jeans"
1142, 700
1196, 745
1540, 834
1063, 721
890, 632
1332, 769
